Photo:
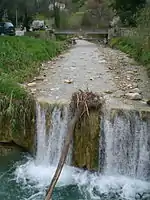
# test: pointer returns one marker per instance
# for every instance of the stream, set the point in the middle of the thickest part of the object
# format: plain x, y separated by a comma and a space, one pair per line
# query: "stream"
24, 177
125, 138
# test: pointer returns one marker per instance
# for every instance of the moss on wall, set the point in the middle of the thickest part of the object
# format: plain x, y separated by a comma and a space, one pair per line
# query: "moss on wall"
17, 121
86, 141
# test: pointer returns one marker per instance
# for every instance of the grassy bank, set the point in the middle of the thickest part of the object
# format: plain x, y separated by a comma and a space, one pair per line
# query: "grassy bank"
136, 48
20, 59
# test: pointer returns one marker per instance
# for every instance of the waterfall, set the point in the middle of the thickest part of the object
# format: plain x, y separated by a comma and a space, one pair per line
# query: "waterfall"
51, 140
124, 158
127, 144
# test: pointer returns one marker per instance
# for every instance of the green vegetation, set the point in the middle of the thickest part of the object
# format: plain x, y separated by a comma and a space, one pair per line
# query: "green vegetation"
86, 141
17, 121
134, 48
126, 10
129, 46
20, 59
137, 44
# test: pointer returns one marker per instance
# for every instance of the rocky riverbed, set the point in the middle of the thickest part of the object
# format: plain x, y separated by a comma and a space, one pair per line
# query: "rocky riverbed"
98, 68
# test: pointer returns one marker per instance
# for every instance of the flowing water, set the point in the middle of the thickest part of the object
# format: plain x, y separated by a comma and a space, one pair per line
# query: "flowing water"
124, 156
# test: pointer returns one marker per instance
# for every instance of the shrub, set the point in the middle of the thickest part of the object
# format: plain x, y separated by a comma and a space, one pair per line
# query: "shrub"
137, 45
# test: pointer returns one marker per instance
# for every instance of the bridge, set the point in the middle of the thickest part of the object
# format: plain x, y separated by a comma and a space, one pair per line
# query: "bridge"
87, 32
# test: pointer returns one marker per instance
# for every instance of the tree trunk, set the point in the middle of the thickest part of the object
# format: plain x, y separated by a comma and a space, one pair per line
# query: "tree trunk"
69, 136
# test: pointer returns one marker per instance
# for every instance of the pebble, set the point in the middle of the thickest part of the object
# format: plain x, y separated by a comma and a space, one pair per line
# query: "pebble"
108, 92
68, 81
136, 90
129, 86
148, 102
39, 78
33, 90
133, 96
32, 84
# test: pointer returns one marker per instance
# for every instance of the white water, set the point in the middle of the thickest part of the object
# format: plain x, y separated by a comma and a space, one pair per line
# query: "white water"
38, 172
127, 140
50, 143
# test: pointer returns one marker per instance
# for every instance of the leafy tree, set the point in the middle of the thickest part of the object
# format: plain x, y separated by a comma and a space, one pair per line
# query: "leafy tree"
126, 9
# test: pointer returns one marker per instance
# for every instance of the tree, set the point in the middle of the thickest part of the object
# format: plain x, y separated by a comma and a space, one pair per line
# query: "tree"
126, 9
97, 14
25, 9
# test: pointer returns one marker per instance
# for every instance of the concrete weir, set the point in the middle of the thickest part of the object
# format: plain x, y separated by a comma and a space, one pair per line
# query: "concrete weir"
113, 141
93, 67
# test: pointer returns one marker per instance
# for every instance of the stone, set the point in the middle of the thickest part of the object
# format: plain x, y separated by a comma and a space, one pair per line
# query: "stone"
135, 85
91, 78
68, 81
133, 96
136, 90
148, 102
129, 86
33, 91
102, 61
39, 78
108, 92
118, 94
130, 72
32, 84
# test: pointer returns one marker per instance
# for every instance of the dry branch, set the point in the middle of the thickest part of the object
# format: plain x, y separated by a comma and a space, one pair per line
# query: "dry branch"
81, 103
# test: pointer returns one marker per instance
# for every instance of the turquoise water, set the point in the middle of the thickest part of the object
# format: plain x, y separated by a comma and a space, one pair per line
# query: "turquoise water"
11, 190
22, 179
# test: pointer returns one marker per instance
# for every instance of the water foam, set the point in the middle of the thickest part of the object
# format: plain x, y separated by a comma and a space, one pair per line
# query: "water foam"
37, 173
91, 186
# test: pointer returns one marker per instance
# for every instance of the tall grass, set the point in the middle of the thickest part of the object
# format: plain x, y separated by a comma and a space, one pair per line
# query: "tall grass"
20, 59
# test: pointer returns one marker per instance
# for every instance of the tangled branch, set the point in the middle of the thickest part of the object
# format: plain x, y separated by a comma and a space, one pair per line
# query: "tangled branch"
85, 101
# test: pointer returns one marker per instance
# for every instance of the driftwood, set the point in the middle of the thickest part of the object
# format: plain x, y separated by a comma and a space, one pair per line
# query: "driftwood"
63, 157
80, 104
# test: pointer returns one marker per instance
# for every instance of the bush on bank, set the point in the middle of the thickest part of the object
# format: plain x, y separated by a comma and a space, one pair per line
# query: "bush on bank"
137, 45
134, 48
